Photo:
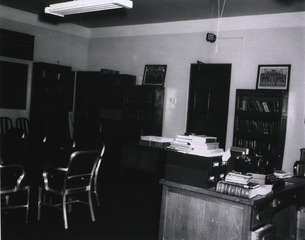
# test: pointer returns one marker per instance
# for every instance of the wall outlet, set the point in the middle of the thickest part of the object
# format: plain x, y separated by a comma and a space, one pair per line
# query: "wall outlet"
173, 100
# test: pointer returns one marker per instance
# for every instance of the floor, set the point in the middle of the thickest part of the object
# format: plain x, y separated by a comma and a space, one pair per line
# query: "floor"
130, 209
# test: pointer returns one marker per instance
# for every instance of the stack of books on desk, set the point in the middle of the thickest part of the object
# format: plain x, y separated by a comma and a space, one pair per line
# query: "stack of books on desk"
240, 185
201, 145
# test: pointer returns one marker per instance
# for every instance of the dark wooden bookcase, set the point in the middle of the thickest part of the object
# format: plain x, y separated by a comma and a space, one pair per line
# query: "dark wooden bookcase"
110, 107
143, 112
260, 123
99, 105
51, 101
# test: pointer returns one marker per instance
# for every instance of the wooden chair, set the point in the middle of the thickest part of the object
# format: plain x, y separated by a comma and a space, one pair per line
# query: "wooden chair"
68, 182
12, 186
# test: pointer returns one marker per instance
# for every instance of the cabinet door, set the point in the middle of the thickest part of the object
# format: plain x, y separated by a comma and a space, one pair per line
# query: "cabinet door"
143, 114
86, 107
209, 89
52, 100
193, 216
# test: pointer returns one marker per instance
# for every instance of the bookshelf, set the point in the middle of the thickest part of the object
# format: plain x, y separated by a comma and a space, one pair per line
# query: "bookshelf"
99, 105
260, 123
51, 101
110, 107
143, 112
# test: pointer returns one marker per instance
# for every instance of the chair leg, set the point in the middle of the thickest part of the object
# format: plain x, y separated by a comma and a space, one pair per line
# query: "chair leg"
28, 205
90, 206
7, 199
95, 183
97, 198
39, 203
64, 209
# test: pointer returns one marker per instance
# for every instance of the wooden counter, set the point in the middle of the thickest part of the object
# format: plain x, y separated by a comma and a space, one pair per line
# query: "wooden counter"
193, 213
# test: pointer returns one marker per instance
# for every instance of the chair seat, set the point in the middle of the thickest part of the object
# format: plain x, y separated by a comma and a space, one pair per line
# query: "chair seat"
12, 189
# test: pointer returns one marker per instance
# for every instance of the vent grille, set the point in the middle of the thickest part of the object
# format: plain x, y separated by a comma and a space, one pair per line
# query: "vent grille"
16, 45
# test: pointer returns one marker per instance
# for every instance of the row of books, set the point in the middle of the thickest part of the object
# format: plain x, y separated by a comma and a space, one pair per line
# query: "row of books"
259, 146
201, 145
254, 126
259, 106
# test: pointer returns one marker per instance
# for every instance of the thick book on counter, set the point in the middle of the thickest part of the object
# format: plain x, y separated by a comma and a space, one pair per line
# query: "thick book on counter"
248, 191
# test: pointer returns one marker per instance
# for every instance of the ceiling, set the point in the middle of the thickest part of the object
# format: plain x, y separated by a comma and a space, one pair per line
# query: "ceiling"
156, 11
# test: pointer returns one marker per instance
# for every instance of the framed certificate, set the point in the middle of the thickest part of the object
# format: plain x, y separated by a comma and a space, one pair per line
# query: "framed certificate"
154, 75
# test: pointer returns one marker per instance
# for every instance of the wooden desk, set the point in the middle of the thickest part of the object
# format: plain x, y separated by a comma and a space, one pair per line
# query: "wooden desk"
146, 159
193, 213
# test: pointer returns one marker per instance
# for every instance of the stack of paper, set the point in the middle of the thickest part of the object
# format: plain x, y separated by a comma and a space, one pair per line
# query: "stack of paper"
282, 174
197, 145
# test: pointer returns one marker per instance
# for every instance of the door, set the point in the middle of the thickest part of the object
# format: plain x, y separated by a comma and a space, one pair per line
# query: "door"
208, 102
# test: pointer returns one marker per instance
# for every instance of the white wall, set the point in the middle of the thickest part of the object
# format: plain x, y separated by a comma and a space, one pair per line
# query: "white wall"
245, 42
63, 44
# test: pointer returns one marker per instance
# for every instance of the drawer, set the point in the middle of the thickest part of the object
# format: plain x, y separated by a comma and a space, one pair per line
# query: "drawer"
267, 232
260, 216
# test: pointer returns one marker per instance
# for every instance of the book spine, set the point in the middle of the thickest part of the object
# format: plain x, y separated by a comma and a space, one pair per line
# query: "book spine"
233, 190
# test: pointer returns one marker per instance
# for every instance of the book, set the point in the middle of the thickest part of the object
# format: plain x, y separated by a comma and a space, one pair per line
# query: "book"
197, 138
156, 139
200, 145
153, 144
282, 174
258, 178
247, 191
208, 152
237, 177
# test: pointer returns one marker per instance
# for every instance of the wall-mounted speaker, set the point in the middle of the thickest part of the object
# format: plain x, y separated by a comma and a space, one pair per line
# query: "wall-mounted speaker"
211, 37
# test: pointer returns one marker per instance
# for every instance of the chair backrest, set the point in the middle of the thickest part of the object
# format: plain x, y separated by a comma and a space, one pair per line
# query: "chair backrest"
81, 168
5, 125
12, 177
24, 125
99, 163
100, 158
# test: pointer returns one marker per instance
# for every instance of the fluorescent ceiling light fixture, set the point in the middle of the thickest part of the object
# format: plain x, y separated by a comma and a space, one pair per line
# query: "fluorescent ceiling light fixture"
83, 6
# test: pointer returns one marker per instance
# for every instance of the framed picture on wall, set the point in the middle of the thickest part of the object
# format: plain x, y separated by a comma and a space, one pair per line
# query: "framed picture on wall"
154, 75
273, 77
